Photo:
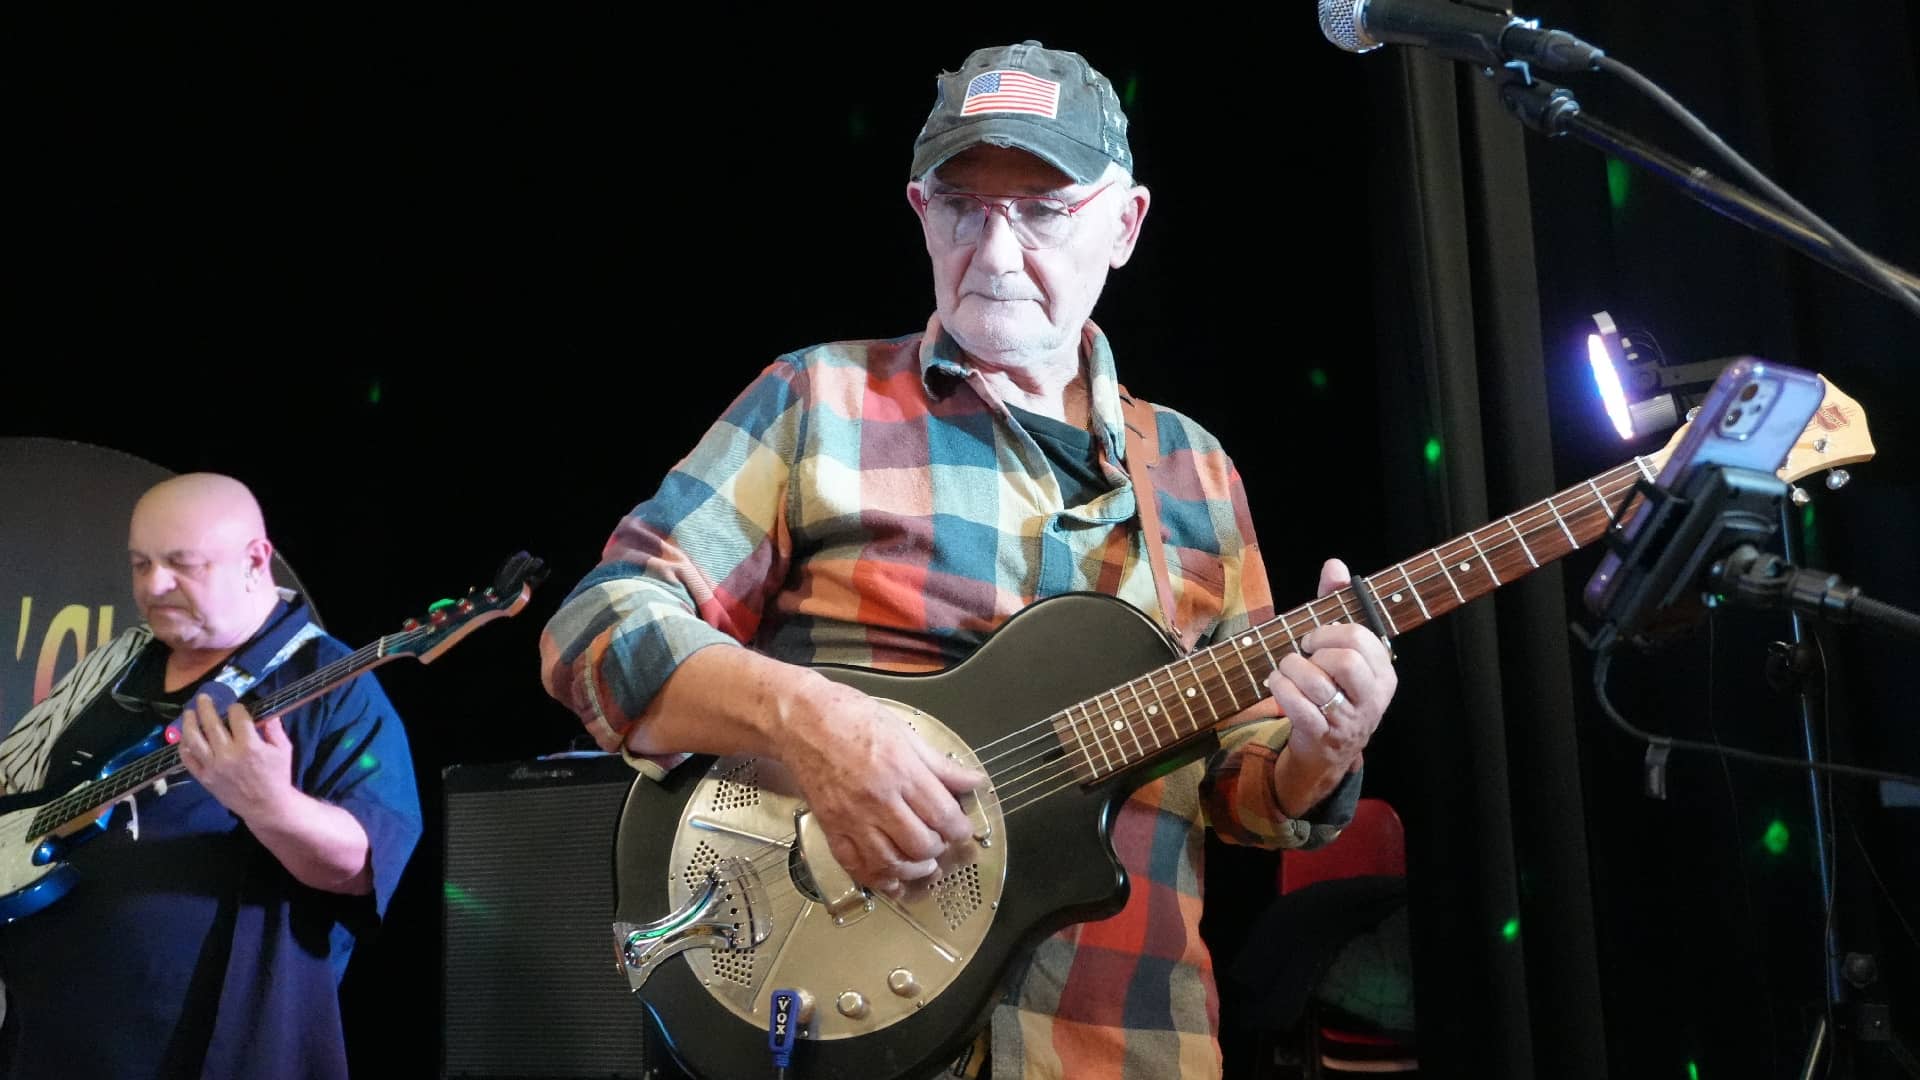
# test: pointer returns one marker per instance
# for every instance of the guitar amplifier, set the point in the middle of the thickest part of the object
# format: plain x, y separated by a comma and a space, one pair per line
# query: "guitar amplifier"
531, 988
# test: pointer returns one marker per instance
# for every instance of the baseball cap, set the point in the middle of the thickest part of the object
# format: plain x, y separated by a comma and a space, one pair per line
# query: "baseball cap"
1048, 102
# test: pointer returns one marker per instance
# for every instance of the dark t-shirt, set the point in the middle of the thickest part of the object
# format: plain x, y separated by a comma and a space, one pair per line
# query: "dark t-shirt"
116, 723
1071, 454
190, 950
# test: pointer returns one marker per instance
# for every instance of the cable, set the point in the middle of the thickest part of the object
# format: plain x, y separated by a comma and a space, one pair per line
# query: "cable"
1892, 904
788, 1011
1858, 259
1604, 660
1830, 898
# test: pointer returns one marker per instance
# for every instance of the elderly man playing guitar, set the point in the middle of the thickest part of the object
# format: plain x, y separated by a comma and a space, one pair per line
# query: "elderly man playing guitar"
891, 504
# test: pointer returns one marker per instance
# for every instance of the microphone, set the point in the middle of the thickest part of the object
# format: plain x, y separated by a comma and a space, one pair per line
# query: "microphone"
1455, 31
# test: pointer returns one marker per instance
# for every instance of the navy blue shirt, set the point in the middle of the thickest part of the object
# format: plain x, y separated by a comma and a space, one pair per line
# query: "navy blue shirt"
191, 951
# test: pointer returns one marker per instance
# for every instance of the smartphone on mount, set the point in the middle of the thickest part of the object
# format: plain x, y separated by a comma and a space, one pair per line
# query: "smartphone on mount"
1751, 419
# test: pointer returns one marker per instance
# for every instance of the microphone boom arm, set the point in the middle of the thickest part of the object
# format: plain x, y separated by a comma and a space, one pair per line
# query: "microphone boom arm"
1552, 111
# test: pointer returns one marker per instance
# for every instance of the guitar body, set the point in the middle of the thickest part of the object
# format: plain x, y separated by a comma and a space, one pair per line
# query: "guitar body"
33, 870
1058, 858
31, 873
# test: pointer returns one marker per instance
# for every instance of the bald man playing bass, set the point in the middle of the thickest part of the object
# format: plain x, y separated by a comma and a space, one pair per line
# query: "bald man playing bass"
212, 919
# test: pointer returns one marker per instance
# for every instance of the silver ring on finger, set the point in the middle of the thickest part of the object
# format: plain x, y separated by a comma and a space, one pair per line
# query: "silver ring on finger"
1339, 697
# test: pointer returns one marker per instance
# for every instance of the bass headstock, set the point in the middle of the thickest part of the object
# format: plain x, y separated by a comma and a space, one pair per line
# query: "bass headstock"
447, 621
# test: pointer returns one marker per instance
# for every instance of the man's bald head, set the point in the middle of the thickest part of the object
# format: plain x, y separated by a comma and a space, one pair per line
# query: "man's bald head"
216, 501
201, 561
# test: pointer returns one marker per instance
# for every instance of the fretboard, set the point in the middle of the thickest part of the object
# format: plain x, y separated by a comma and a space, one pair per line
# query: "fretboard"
89, 799
1141, 719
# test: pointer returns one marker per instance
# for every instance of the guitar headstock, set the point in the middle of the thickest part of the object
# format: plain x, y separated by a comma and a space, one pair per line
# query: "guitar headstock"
1836, 436
447, 621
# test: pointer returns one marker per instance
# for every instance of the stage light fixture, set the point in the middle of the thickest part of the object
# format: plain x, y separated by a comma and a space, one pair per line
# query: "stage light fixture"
1640, 391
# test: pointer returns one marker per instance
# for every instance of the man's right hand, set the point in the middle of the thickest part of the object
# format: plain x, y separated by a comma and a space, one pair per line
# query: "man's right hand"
884, 798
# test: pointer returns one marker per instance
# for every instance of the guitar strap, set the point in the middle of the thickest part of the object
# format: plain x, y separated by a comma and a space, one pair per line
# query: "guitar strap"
288, 630
1143, 456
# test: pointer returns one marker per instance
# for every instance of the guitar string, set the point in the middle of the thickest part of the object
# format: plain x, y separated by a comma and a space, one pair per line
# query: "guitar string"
1543, 518
1533, 522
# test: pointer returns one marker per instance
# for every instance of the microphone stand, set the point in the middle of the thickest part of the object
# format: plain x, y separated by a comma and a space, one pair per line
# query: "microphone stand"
1797, 673
1553, 111
1752, 579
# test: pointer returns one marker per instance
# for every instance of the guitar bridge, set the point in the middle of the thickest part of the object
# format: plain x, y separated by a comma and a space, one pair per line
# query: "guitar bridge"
728, 911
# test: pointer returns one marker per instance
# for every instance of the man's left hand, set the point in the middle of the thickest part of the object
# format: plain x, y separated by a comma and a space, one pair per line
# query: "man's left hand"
249, 770
1334, 690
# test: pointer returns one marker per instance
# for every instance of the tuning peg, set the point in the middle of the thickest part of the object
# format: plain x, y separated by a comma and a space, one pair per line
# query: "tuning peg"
1799, 495
1837, 479
410, 624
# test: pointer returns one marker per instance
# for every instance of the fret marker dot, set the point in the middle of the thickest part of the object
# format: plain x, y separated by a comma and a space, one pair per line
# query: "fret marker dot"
1153, 710
1190, 691
1465, 566
1119, 725
1396, 597
1246, 641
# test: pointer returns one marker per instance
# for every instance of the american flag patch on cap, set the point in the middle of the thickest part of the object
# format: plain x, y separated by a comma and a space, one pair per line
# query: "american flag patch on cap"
1014, 92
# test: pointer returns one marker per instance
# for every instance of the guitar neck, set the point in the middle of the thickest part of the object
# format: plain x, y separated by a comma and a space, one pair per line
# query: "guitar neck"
88, 800
1139, 720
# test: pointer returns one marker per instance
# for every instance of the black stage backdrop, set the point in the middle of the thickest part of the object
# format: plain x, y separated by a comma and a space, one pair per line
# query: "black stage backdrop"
443, 288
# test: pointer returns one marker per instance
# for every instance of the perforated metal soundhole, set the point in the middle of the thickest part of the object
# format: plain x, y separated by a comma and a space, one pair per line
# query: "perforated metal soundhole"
735, 965
959, 895
739, 788
697, 867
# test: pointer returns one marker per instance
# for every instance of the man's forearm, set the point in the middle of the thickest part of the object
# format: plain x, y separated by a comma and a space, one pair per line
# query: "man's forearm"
1299, 785
726, 700
319, 843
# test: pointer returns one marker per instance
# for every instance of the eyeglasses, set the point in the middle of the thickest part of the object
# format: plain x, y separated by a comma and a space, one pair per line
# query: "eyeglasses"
1037, 221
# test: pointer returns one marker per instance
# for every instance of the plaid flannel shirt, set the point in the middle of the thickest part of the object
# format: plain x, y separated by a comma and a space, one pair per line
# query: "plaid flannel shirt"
873, 503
